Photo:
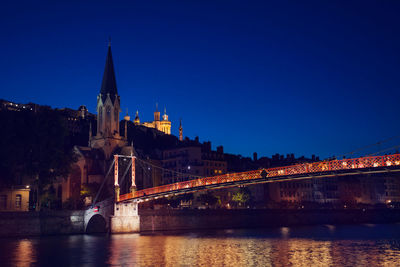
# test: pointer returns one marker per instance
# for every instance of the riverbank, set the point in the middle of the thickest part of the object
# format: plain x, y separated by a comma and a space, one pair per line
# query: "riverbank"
41, 223
167, 220
72, 222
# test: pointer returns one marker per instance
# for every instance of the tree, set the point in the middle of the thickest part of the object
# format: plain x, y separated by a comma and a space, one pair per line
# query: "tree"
34, 145
242, 197
90, 190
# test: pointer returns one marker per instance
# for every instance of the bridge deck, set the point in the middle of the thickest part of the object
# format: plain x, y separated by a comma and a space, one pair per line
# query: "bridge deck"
299, 171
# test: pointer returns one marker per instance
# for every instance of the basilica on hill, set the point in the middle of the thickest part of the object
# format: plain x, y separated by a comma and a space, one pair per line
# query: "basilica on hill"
163, 125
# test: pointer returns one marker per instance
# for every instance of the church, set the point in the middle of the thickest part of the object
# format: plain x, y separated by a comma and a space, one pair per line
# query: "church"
107, 139
94, 160
163, 125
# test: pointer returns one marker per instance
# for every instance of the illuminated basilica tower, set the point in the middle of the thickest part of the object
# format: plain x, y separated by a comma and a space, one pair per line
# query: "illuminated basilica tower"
108, 109
163, 125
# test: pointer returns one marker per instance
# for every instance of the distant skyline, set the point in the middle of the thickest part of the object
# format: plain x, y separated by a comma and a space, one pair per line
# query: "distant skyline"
307, 78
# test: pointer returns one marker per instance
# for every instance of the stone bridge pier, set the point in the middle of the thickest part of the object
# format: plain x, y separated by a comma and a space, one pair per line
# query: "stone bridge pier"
126, 218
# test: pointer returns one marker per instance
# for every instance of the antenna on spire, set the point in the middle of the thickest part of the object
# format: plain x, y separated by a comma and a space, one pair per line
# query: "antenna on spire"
156, 106
165, 110
109, 40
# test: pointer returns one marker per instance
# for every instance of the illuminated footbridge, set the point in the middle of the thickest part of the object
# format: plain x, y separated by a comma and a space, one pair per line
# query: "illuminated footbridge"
123, 215
322, 169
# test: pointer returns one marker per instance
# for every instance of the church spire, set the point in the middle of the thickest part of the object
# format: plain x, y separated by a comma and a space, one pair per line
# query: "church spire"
108, 109
109, 84
165, 116
137, 120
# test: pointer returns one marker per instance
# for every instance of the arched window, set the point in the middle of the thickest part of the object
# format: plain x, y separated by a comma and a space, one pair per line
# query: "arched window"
108, 112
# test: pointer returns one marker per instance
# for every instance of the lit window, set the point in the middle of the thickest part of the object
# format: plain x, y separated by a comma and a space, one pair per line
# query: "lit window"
18, 201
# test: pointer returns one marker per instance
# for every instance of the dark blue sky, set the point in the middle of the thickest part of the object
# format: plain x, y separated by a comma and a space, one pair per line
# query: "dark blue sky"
320, 77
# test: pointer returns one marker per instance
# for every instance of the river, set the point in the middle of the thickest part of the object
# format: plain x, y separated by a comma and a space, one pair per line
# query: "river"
322, 245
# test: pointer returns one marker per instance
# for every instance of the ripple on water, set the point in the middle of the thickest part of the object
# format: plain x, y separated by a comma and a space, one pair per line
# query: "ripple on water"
325, 245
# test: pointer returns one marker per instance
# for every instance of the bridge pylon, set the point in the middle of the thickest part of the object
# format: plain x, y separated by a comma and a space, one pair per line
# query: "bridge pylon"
126, 218
116, 183
133, 173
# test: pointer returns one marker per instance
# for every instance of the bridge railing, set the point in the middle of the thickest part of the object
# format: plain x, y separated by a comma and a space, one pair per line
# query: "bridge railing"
298, 169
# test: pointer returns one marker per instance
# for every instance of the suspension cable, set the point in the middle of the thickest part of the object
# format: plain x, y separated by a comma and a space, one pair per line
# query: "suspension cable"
369, 146
102, 184
384, 150
124, 175
172, 171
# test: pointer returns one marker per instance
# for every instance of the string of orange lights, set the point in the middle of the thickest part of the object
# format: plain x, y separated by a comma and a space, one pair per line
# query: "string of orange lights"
317, 167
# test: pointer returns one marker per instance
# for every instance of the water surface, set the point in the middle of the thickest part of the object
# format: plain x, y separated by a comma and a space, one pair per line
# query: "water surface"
324, 245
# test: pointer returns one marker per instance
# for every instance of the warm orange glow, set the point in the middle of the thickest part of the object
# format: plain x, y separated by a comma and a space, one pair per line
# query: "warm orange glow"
317, 167
116, 170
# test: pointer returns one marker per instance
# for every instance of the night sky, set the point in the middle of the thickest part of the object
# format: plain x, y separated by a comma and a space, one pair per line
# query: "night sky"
320, 77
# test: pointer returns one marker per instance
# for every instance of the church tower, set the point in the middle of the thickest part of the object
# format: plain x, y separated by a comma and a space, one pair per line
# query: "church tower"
165, 124
137, 119
157, 118
108, 109
180, 131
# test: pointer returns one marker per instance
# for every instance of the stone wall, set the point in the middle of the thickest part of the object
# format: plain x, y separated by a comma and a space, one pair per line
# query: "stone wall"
62, 222
125, 218
165, 220
19, 223
41, 223
72, 222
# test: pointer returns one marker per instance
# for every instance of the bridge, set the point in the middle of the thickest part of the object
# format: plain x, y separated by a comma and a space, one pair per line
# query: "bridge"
124, 217
345, 167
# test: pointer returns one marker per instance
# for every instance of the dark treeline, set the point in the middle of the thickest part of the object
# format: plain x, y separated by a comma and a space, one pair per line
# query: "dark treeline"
35, 147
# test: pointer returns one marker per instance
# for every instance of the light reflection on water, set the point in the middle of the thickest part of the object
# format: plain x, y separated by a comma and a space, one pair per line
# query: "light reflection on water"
325, 245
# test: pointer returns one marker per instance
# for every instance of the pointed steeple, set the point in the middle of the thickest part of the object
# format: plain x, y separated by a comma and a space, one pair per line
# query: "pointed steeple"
137, 120
165, 116
109, 84
127, 117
